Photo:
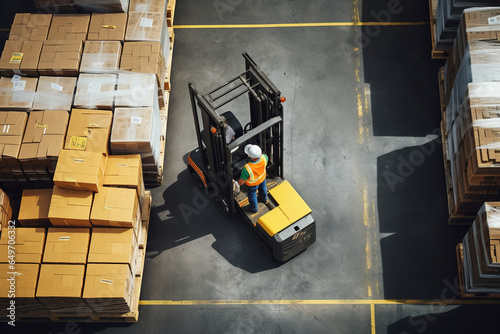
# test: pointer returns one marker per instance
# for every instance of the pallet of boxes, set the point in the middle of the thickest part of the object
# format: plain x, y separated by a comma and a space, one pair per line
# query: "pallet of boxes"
470, 98
83, 112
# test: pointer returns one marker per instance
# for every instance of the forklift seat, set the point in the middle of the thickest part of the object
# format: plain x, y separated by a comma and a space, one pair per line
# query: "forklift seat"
233, 122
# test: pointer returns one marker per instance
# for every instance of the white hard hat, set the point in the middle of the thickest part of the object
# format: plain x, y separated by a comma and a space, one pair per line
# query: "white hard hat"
253, 151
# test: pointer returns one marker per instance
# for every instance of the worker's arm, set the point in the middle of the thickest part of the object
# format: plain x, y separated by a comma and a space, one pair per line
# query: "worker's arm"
241, 181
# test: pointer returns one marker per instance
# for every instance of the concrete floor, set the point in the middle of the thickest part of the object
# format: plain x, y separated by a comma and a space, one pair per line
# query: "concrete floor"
362, 114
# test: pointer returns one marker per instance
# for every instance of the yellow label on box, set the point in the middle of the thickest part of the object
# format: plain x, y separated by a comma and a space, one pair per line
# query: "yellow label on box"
108, 26
40, 125
16, 58
79, 160
78, 143
106, 281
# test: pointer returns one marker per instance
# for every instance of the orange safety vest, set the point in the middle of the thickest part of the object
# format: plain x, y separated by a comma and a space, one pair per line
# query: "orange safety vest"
256, 171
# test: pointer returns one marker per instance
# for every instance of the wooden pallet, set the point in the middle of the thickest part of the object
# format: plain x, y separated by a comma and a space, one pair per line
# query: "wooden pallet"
133, 316
435, 53
170, 13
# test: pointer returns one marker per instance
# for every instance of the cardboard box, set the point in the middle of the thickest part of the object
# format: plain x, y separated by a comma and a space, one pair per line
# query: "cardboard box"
44, 137
17, 93
69, 27
109, 288
34, 210
89, 130
115, 207
101, 57
54, 93
26, 280
60, 280
20, 57
29, 243
147, 6
95, 91
136, 131
145, 26
66, 245
113, 245
12, 125
125, 171
144, 57
60, 57
80, 170
5, 210
30, 27
136, 90
107, 27
70, 207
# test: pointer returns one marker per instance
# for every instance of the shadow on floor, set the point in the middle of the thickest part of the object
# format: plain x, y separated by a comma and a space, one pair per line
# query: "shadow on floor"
188, 214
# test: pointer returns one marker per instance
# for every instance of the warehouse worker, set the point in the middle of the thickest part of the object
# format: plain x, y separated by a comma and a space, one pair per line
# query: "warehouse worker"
254, 175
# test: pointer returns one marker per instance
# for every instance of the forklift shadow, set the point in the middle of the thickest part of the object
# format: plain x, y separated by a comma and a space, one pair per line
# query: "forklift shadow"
188, 214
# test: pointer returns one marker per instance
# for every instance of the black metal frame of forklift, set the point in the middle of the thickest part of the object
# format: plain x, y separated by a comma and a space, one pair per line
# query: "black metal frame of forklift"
212, 166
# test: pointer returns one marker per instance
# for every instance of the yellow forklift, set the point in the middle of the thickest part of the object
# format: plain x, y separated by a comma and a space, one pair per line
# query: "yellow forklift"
284, 225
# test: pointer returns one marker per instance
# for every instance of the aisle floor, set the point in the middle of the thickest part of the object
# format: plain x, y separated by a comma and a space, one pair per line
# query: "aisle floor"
361, 147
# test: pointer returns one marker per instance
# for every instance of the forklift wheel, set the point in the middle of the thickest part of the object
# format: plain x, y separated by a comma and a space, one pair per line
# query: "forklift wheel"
196, 178
221, 206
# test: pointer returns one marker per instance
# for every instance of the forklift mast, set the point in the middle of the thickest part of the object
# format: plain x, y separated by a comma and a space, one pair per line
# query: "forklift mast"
264, 129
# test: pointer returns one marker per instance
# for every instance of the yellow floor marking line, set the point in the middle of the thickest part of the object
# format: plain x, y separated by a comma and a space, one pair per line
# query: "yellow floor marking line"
437, 302
372, 317
295, 25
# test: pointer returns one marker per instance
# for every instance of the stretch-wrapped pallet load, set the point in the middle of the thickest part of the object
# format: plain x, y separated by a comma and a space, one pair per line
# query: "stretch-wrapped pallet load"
472, 120
474, 26
95, 91
480, 254
448, 15
147, 23
54, 93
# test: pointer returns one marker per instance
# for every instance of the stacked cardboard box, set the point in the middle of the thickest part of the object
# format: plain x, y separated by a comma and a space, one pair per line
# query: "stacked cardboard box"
60, 57
89, 130
107, 27
448, 15
474, 26
25, 280
69, 27
95, 91
66, 245
6, 209
54, 93
42, 141
34, 210
29, 246
473, 129
20, 57
480, 272
147, 22
125, 171
17, 93
12, 125
101, 57
145, 57
70, 208
30, 27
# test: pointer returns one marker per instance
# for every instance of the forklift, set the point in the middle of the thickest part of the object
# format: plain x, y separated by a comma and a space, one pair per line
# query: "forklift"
284, 226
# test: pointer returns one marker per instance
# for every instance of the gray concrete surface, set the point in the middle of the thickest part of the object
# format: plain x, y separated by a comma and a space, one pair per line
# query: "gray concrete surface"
360, 147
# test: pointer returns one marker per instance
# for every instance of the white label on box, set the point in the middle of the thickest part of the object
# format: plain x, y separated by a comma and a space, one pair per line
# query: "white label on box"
94, 88
106, 281
64, 238
136, 120
6, 128
15, 78
19, 86
146, 23
56, 87
494, 20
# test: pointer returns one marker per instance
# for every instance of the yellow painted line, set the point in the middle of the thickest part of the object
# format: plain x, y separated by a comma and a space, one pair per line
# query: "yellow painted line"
372, 317
323, 302
296, 25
